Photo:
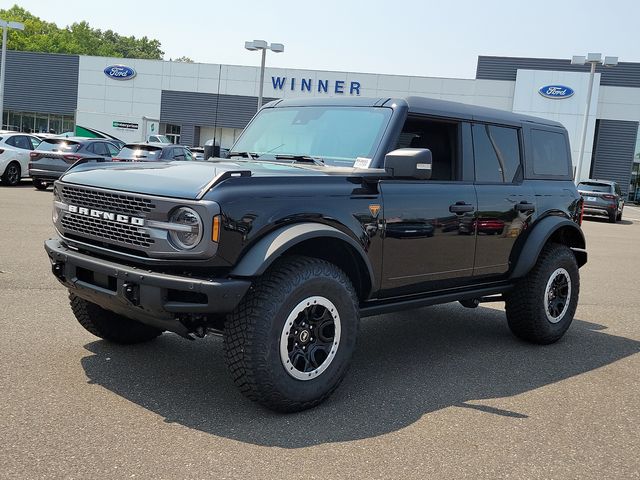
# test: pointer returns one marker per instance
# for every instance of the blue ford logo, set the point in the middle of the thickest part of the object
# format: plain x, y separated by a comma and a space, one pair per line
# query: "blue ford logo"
120, 72
556, 91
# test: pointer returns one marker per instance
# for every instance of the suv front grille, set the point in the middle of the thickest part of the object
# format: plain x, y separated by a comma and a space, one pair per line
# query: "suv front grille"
113, 202
107, 230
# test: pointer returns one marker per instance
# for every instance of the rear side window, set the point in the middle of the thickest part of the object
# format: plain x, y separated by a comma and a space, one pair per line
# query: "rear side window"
497, 153
55, 145
549, 153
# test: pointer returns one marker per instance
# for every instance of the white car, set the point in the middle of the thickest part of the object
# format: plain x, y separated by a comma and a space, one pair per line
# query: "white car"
14, 156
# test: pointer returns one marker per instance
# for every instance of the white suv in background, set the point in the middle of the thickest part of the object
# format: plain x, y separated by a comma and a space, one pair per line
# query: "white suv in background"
14, 156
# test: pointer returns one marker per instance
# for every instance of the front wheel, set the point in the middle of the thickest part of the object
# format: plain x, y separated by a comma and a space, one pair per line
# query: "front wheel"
289, 343
541, 307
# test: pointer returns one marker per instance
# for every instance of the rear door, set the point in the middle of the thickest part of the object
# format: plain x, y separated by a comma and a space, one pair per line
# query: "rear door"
506, 204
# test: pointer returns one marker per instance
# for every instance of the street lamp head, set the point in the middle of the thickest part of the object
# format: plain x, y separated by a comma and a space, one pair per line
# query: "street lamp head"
276, 47
610, 61
578, 60
594, 57
16, 25
250, 46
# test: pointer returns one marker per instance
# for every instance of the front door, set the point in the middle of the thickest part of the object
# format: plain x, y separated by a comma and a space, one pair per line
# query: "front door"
429, 242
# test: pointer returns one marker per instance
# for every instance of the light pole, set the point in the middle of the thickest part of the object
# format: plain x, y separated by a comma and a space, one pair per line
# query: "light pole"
264, 46
3, 64
593, 59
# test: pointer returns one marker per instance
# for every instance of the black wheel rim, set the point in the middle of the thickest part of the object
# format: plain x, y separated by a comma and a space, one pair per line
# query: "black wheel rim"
557, 295
310, 338
13, 174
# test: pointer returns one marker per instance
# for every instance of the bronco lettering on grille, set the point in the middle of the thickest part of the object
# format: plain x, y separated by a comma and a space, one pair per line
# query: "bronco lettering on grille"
114, 217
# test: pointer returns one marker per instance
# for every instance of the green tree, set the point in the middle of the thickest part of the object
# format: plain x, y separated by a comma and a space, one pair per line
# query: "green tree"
183, 59
78, 38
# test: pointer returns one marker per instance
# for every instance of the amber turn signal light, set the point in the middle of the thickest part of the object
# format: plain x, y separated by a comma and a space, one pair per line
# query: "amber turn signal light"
215, 230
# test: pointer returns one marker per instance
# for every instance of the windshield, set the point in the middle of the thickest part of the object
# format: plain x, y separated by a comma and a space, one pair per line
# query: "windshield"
337, 135
594, 187
140, 151
61, 145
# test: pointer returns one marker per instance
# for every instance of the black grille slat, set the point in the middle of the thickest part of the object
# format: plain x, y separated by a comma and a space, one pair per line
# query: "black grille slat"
107, 230
114, 202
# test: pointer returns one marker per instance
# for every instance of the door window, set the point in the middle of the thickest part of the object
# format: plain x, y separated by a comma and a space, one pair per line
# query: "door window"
497, 154
100, 149
35, 142
439, 137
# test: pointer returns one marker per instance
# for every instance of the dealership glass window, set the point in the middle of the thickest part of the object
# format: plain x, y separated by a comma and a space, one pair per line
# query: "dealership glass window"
172, 132
634, 187
31, 122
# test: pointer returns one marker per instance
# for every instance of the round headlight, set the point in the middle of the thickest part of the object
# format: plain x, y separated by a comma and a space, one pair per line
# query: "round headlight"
189, 228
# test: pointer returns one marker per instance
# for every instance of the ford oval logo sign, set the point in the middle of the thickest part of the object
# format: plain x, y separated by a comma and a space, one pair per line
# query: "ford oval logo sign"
556, 91
119, 72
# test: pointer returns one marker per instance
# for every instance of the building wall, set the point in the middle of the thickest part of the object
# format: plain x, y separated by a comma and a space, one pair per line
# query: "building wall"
41, 82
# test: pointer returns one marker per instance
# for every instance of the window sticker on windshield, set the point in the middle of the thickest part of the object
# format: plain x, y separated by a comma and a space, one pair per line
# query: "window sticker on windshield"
362, 162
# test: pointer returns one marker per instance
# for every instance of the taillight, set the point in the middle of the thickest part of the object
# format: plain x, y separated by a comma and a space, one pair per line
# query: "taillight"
72, 158
33, 154
1, 151
608, 196
116, 159
581, 212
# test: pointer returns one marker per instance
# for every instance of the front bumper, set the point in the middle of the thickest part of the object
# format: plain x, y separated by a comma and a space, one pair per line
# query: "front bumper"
150, 297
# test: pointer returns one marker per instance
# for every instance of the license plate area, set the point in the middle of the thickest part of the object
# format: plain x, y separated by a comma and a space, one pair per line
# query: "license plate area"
97, 279
591, 199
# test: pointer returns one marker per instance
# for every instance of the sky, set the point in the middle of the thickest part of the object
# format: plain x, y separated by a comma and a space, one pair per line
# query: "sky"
404, 37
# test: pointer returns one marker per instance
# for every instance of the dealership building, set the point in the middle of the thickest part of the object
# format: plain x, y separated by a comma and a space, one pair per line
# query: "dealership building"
195, 102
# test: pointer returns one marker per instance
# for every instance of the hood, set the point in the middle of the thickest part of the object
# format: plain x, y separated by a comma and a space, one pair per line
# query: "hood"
173, 179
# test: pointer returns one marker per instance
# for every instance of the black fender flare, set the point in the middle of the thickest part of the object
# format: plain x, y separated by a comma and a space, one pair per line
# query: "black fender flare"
540, 233
266, 250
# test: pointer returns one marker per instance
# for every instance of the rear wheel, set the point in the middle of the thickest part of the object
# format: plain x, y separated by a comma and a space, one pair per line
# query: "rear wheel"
619, 217
289, 343
12, 174
39, 184
541, 307
110, 326
613, 216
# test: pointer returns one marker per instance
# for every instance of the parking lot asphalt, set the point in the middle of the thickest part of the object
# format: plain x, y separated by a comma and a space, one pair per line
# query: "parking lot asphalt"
440, 392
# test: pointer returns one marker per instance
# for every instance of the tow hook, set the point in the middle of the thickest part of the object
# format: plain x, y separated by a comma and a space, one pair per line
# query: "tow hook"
131, 292
58, 270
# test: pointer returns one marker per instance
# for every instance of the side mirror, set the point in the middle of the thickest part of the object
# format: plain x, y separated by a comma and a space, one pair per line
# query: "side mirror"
409, 163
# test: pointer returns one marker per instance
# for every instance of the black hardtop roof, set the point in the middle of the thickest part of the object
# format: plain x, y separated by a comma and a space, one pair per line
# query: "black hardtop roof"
423, 105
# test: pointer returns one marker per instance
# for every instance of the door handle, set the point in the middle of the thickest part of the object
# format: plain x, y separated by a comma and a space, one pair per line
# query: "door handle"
461, 207
525, 207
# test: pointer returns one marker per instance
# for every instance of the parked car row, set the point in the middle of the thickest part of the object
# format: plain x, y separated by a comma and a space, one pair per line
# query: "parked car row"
44, 158
602, 197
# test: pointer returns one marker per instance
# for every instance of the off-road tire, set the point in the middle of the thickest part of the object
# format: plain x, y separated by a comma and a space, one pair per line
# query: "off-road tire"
10, 176
39, 184
253, 333
525, 305
110, 326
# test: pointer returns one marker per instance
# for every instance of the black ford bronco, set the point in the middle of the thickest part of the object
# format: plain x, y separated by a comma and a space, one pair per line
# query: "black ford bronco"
327, 210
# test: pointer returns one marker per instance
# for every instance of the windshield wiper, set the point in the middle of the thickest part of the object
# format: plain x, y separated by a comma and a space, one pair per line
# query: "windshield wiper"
249, 155
300, 158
